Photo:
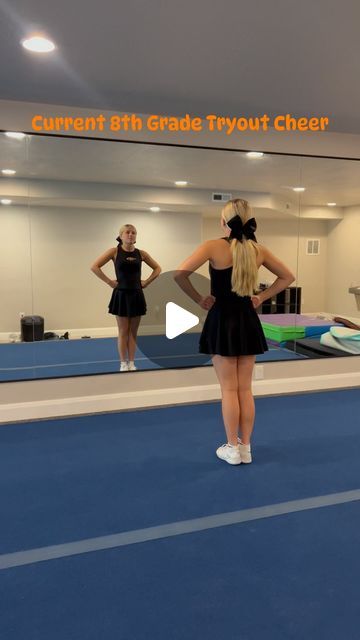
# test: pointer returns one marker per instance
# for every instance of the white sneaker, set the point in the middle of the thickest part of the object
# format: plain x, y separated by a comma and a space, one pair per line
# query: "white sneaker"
131, 366
124, 366
245, 452
229, 453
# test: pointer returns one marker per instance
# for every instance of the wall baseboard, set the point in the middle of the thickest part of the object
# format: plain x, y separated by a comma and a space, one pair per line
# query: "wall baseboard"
130, 400
145, 330
93, 332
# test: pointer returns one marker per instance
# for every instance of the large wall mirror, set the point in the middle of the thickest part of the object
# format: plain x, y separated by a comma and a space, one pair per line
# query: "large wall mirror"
329, 262
63, 201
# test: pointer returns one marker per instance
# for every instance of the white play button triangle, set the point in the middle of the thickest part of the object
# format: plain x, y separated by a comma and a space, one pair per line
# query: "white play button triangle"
178, 320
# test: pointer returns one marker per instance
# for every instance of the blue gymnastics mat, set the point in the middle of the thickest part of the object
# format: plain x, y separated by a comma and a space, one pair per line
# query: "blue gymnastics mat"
60, 358
75, 480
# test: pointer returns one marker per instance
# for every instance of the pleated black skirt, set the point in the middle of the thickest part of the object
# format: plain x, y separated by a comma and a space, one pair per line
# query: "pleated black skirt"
232, 328
127, 303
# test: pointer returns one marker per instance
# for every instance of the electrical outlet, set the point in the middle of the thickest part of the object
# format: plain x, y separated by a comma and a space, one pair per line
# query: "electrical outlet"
21, 314
259, 372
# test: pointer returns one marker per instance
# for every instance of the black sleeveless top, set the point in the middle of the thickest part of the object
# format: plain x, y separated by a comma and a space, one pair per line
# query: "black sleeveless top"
220, 280
128, 268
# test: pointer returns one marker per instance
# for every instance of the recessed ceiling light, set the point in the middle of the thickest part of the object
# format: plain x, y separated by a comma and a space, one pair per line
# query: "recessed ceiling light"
181, 183
38, 44
331, 204
155, 209
5, 201
299, 189
15, 134
254, 154
8, 172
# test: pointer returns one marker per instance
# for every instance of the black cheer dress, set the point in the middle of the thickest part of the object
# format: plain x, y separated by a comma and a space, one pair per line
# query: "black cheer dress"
232, 326
128, 298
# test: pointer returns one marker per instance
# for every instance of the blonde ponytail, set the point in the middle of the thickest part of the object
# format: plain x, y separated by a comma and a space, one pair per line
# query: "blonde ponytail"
244, 278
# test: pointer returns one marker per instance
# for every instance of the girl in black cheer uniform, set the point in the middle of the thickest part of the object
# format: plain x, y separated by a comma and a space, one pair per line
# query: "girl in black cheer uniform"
232, 331
127, 301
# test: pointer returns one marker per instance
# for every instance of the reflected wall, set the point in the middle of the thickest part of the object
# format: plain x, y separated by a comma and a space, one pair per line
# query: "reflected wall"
16, 282
329, 264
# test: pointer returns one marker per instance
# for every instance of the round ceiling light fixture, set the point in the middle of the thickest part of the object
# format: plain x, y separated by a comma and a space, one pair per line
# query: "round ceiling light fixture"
38, 44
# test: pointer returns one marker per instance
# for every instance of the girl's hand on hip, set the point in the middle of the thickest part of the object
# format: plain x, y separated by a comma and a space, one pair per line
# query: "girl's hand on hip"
256, 301
206, 302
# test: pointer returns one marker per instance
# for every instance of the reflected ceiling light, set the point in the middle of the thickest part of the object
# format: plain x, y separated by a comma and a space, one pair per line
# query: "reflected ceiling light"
38, 44
299, 189
17, 135
254, 154
8, 172
5, 201
155, 209
181, 183
331, 204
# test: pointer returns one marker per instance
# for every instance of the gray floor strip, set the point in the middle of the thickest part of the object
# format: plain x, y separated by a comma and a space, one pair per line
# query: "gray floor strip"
31, 556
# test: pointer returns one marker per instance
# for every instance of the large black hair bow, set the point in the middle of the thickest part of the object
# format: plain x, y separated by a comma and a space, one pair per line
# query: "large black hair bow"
240, 230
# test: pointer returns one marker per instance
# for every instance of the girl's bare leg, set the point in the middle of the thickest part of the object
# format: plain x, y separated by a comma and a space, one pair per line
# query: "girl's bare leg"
123, 327
133, 330
226, 369
245, 367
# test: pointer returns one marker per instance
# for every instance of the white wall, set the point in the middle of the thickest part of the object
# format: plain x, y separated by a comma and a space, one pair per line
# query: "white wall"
45, 260
343, 265
15, 267
312, 270
64, 243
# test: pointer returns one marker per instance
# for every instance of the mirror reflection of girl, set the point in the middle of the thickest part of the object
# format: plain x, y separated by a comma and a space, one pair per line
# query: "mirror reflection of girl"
127, 301
232, 332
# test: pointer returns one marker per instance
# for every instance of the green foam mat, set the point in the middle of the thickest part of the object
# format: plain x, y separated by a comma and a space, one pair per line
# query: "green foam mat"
281, 334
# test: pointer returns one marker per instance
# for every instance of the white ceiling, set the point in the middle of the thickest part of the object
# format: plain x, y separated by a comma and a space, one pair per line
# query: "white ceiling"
231, 58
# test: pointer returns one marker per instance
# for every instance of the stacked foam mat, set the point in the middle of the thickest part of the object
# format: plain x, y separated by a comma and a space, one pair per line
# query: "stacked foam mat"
281, 327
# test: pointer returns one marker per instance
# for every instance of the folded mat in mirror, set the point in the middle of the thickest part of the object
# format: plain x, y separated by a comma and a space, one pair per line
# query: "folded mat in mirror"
311, 348
349, 346
342, 333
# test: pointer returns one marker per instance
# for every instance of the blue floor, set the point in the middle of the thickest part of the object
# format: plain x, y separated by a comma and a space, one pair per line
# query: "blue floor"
60, 358
286, 577
282, 579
